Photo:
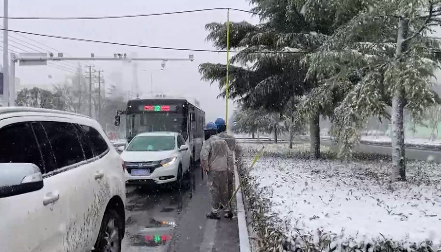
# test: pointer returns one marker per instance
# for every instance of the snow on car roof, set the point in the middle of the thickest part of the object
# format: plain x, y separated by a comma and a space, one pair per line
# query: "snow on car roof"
7, 110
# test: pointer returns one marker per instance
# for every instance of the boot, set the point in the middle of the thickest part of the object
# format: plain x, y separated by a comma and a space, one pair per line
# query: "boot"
228, 214
213, 216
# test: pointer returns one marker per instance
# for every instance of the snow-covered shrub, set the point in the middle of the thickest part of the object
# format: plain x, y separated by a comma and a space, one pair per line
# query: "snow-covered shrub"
269, 237
297, 204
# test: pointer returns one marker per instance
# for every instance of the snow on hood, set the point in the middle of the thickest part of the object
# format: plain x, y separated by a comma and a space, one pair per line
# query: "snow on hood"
143, 156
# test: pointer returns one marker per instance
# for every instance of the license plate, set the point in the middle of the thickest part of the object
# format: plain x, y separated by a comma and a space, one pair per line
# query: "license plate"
140, 172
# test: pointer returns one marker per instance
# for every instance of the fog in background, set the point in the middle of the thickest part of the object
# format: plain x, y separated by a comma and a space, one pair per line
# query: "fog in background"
182, 30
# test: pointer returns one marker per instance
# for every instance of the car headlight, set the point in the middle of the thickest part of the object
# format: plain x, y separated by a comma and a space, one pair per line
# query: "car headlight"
168, 161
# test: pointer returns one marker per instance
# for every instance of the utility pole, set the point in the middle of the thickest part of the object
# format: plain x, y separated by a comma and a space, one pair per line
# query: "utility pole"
90, 89
104, 88
6, 97
80, 87
99, 94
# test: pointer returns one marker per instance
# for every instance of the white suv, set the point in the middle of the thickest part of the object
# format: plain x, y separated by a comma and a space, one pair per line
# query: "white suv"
61, 183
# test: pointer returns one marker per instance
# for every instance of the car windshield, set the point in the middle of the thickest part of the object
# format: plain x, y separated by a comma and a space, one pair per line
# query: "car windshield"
152, 143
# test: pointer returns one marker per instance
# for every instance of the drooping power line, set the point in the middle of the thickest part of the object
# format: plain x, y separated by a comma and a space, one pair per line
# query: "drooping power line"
143, 46
59, 67
131, 16
35, 48
112, 43
65, 66
42, 46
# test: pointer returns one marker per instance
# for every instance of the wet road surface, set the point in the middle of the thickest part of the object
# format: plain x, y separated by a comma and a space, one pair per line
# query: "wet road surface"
166, 219
411, 153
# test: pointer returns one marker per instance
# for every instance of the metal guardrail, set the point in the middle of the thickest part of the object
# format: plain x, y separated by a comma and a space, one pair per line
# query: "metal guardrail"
270, 140
414, 146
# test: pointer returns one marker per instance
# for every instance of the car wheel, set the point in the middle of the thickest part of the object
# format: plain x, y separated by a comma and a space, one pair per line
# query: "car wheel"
110, 235
179, 177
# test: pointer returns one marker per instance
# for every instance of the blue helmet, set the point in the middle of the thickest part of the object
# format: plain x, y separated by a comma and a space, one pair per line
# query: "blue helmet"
211, 126
219, 122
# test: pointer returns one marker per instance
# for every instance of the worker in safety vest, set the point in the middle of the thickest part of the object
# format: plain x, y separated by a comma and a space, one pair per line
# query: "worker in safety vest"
231, 142
214, 160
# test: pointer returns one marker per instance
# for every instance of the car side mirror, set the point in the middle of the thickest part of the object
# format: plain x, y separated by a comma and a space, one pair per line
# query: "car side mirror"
117, 120
121, 148
19, 178
183, 147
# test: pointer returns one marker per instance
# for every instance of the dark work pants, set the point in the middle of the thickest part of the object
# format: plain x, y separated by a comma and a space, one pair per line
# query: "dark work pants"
218, 181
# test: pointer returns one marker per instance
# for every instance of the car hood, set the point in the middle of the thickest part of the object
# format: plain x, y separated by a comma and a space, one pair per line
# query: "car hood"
144, 156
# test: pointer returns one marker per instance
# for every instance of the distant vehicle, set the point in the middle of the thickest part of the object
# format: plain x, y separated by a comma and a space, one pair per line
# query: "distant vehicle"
156, 158
163, 113
61, 183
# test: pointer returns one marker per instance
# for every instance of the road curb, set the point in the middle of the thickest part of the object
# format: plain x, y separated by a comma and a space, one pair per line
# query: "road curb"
244, 239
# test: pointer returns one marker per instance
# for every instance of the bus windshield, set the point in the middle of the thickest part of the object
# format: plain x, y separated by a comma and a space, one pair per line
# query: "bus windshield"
148, 122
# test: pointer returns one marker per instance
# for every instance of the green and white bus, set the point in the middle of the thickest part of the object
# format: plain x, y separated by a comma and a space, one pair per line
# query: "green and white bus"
163, 113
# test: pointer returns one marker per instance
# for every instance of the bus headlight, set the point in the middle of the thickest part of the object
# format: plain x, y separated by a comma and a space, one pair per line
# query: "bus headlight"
168, 161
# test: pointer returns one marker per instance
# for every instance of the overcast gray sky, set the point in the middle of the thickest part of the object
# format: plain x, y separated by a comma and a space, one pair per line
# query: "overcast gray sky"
183, 30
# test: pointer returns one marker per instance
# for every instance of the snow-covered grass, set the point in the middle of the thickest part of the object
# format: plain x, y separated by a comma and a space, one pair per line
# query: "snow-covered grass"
323, 204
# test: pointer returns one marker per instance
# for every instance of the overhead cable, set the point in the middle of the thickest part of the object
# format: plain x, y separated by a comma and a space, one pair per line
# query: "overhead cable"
49, 48
145, 46
131, 16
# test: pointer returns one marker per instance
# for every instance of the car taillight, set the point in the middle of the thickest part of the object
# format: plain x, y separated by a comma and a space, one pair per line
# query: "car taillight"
123, 165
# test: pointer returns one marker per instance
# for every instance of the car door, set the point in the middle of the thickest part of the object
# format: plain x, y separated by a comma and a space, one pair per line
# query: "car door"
74, 181
186, 155
88, 192
37, 217
102, 168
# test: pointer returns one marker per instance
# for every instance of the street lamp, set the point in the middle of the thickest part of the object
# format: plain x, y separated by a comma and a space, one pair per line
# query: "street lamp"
151, 78
151, 75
